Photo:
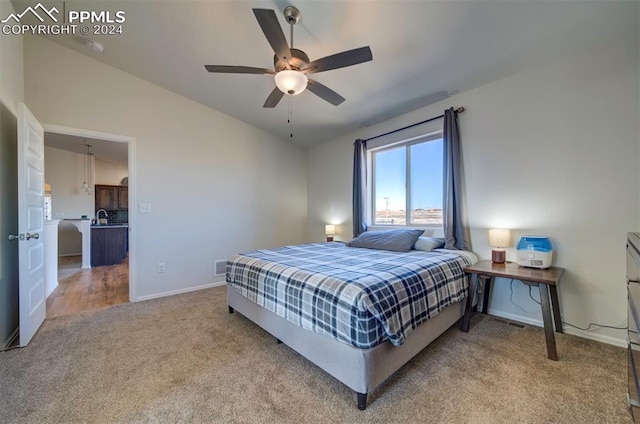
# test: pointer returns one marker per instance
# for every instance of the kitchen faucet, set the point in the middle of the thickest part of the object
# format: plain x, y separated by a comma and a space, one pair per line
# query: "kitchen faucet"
106, 216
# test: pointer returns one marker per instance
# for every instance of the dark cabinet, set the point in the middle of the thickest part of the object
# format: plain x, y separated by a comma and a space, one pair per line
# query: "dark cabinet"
109, 245
106, 197
112, 198
123, 198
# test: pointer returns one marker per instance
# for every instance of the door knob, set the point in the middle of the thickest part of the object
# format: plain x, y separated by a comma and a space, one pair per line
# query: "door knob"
33, 236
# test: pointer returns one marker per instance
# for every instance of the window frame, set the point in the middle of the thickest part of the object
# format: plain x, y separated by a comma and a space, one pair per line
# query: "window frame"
371, 192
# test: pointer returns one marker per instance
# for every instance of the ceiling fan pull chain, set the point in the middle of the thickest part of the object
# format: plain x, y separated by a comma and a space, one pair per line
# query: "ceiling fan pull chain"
290, 120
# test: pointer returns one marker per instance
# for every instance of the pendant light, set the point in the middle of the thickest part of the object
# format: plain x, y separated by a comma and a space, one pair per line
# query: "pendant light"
88, 172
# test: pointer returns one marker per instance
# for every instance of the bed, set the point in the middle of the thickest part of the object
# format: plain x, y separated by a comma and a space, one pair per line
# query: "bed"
359, 314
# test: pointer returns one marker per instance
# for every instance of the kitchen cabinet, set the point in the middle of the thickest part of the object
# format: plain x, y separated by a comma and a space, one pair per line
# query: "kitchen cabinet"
106, 197
123, 197
111, 198
109, 244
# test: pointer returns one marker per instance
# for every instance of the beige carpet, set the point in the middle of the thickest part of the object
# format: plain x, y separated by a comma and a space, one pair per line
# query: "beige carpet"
184, 359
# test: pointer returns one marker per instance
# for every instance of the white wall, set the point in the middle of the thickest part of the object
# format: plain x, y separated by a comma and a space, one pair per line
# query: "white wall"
554, 151
11, 92
64, 171
109, 173
216, 185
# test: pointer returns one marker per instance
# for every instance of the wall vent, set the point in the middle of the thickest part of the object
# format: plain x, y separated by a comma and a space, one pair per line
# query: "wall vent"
507, 322
220, 267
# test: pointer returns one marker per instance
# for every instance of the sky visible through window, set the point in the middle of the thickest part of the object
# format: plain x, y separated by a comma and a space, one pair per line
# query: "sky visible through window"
426, 183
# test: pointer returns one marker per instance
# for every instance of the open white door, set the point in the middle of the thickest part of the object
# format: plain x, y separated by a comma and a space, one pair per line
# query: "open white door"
30, 224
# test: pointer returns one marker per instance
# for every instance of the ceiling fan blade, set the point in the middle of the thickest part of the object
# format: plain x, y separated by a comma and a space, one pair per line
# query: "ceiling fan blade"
273, 98
339, 60
229, 69
324, 92
273, 31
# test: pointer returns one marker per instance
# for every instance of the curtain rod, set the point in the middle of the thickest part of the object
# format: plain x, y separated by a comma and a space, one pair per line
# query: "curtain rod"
458, 110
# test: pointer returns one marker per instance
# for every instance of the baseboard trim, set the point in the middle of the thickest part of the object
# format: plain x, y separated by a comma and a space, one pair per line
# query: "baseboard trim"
180, 291
64, 255
568, 330
53, 287
597, 337
12, 338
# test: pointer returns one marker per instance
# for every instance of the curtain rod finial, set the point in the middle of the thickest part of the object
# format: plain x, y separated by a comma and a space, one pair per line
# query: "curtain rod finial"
460, 109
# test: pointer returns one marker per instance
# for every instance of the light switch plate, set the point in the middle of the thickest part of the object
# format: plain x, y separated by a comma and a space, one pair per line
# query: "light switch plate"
144, 207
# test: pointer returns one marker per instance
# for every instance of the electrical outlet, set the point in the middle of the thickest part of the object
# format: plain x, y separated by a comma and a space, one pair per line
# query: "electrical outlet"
161, 267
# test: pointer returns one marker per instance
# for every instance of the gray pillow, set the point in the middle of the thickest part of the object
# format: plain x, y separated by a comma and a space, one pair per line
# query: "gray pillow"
427, 244
395, 240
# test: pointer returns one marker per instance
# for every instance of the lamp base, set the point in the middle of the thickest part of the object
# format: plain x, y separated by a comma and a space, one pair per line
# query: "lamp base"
498, 256
329, 238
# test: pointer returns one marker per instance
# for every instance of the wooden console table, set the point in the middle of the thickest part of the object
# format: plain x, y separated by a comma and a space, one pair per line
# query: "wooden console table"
545, 279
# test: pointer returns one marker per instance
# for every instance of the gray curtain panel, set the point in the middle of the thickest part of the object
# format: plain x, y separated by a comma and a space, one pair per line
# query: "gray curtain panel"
455, 230
359, 187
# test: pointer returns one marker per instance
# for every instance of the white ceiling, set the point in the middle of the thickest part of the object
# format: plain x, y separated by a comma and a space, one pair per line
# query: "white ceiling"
423, 51
108, 151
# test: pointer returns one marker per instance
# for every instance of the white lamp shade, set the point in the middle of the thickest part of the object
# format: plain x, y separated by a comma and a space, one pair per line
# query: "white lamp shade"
499, 237
329, 229
291, 82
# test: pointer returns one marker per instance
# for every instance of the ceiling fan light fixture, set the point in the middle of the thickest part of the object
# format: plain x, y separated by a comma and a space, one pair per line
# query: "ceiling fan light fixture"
291, 65
291, 82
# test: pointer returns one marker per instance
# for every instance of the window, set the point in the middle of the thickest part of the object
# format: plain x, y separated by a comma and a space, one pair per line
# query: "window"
407, 183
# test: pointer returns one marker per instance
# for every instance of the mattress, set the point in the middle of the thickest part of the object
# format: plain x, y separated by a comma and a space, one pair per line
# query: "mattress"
358, 296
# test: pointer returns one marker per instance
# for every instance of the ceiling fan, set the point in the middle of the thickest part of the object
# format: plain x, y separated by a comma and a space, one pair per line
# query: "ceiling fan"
291, 66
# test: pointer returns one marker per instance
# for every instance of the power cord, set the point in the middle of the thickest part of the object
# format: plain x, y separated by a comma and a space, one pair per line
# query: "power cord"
514, 303
591, 324
531, 296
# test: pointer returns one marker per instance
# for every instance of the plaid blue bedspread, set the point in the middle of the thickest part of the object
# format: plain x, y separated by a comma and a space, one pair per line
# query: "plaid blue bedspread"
358, 296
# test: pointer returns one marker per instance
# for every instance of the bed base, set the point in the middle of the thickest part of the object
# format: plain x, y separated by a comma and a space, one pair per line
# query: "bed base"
362, 370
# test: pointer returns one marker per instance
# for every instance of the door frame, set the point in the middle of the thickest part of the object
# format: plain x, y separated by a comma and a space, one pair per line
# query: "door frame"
131, 164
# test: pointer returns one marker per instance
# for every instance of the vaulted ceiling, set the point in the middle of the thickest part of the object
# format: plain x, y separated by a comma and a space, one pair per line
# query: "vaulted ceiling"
423, 51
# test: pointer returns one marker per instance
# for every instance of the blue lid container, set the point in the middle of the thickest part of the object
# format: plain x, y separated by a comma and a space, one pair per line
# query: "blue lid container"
537, 243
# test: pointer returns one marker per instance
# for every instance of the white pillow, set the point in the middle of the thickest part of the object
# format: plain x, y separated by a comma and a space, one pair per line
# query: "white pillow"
427, 244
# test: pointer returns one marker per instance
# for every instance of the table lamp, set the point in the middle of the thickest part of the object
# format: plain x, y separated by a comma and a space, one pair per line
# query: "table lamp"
499, 238
329, 231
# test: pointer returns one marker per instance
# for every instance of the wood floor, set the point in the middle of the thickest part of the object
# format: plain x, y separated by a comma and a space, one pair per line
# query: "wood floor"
69, 265
87, 289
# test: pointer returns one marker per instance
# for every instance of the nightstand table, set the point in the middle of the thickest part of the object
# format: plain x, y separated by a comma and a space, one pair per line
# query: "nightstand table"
546, 280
